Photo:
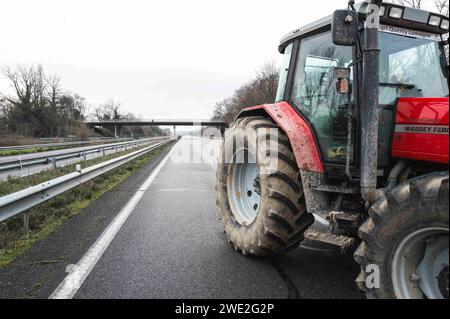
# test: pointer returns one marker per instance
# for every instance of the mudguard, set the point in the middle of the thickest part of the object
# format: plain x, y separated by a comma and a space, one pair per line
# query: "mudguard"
298, 131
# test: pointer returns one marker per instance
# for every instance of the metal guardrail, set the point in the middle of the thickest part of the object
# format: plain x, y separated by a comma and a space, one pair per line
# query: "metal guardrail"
20, 202
151, 122
17, 162
61, 144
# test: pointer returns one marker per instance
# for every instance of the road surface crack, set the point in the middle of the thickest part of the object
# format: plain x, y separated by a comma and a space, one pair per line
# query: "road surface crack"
292, 288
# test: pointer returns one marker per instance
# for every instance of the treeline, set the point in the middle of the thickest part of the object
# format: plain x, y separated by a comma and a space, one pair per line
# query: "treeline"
37, 105
261, 89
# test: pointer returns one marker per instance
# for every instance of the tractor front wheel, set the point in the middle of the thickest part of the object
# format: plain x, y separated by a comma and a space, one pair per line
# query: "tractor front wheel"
404, 250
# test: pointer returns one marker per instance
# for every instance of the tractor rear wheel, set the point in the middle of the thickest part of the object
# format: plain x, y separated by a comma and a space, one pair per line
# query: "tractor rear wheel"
260, 197
406, 238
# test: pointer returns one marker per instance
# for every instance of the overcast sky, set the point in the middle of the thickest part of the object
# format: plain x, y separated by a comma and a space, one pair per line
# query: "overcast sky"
161, 59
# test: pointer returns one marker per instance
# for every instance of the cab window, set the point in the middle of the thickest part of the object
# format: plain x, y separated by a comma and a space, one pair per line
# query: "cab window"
314, 94
284, 73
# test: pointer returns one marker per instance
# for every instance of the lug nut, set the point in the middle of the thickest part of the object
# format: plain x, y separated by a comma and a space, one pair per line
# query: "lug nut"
415, 278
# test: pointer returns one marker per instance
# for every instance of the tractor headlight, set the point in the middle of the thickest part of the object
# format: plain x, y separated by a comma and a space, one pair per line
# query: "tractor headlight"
434, 21
444, 24
396, 13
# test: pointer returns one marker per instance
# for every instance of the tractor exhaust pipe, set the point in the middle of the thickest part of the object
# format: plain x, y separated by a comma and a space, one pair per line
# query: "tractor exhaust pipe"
370, 105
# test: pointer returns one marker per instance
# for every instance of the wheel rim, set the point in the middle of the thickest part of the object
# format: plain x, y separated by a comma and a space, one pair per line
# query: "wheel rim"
245, 189
420, 265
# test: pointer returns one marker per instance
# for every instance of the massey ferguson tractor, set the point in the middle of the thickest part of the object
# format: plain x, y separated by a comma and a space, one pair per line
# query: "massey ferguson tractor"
358, 137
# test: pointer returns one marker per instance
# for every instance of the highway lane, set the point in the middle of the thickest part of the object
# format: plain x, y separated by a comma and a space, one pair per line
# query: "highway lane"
172, 245
33, 169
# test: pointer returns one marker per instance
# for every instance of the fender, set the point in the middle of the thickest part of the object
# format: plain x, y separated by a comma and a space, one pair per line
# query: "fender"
298, 131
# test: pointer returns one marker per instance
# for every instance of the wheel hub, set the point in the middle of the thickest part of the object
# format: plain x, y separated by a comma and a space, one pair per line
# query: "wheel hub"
244, 190
420, 265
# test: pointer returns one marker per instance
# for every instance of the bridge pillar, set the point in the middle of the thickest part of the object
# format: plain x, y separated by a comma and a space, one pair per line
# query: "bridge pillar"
174, 131
115, 131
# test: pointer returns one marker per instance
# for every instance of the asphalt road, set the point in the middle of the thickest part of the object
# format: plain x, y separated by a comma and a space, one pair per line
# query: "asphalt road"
34, 169
171, 245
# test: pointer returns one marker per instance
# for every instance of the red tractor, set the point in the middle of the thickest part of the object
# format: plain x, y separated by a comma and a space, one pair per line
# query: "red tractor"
359, 137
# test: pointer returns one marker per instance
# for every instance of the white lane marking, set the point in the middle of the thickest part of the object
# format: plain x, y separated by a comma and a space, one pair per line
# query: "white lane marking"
79, 272
321, 220
70, 267
185, 190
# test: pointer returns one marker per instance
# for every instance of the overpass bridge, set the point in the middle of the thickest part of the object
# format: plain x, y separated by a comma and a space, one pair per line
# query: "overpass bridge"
119, 123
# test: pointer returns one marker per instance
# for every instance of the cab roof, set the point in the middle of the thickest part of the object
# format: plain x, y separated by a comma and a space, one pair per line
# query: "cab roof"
411, 18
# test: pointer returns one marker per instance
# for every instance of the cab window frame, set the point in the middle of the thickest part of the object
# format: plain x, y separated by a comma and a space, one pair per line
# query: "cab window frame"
355, 163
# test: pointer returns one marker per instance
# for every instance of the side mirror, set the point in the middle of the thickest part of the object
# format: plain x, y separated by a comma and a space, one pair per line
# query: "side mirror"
343, 80
345, 27
343, 86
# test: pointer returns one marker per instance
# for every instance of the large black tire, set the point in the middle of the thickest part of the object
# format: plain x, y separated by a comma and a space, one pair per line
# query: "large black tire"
416, 204
282, 217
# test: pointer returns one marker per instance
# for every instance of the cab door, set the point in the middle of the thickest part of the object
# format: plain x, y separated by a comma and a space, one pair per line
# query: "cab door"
313, 94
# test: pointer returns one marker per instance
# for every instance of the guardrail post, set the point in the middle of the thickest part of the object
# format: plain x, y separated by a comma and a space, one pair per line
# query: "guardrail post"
104, 152
20, 162
26, 221
84, 156
54, 162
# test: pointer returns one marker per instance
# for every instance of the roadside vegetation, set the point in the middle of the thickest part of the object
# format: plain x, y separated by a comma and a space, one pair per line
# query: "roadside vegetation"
45, 218
260, 90
35, 104
32, 150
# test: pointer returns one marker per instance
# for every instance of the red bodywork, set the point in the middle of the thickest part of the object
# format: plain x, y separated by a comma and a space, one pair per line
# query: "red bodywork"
422, 130
299, 133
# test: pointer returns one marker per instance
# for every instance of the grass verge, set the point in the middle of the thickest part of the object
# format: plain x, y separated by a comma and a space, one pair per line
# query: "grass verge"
34, 150
45, 218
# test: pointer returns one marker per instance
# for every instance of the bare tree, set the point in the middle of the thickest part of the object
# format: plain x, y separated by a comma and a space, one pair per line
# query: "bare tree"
410, 3
24, 83
53, 92
260, 90
110, 110
439, 6
38, 105
442, 6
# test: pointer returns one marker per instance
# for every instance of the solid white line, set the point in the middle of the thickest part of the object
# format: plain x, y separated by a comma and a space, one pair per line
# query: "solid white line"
73, 281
